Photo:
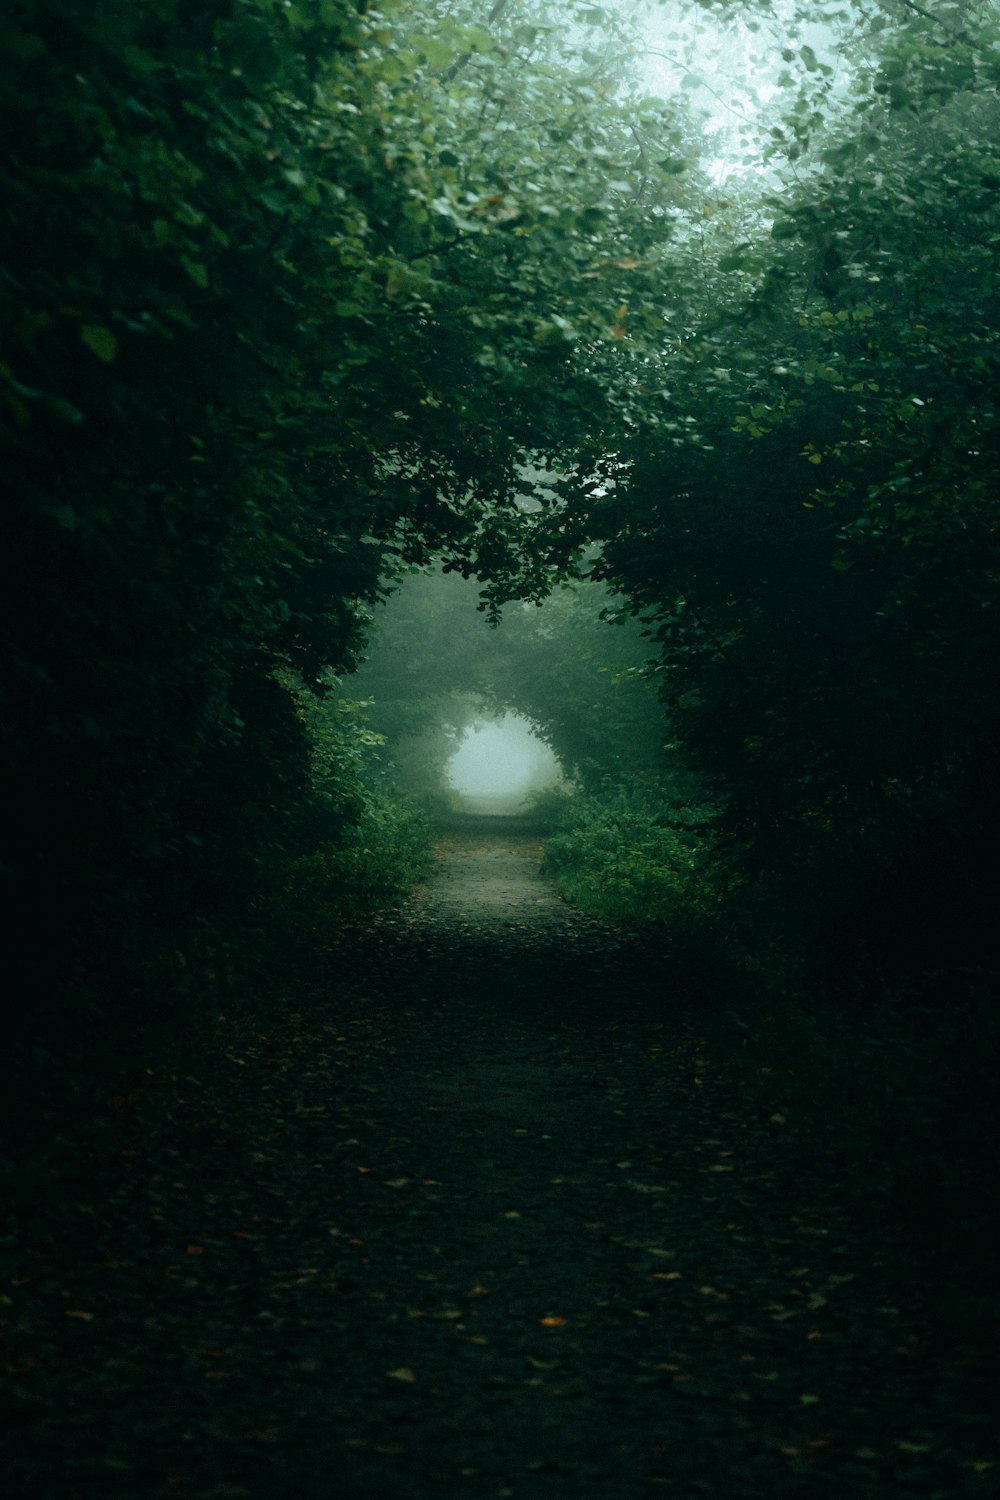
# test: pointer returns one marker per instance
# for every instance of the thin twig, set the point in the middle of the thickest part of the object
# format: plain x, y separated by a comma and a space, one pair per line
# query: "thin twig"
654, 52
918, 10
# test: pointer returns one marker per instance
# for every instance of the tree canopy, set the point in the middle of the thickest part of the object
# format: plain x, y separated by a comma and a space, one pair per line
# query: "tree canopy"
298, 295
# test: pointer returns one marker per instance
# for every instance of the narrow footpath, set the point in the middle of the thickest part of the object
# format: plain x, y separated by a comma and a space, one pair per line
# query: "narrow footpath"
482, 1220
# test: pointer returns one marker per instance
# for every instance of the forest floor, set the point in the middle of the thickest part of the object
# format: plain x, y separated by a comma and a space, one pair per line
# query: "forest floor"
479, 1217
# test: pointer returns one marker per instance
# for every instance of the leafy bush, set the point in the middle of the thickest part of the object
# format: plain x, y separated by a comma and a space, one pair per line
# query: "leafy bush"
551, 806
375, 863
355, 846
624, 856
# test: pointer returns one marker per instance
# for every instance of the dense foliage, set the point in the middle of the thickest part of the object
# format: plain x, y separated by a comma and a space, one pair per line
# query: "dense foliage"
821, 563
298, 296
625, 856
247, 364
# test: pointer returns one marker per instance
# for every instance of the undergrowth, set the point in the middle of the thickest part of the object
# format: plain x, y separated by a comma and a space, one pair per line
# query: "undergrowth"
374, 864
623, 856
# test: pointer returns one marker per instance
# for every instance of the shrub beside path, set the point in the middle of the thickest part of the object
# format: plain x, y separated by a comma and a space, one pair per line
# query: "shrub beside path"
477, 1217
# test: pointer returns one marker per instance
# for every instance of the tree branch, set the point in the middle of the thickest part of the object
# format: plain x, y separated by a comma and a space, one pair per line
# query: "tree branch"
499, 7
918, 10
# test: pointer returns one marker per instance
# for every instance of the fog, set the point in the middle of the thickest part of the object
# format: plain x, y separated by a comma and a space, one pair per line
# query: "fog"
475, 718
498, 763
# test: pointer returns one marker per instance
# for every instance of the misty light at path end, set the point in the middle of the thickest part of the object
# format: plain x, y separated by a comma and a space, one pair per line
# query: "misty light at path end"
498, 763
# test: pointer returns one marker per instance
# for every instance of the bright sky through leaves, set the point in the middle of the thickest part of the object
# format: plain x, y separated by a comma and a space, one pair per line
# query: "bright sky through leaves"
732, 69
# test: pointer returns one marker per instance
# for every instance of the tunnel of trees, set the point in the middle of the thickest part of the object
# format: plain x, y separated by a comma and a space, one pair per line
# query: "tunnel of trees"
301, 297
370, 371
431, 671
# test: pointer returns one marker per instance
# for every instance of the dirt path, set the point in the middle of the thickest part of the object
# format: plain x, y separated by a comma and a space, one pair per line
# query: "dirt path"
488, 1225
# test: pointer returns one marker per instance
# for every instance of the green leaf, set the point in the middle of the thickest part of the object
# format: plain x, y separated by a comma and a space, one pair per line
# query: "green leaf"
195, 270
100, 341
478, 38
437, 52
65, 410
23, 45
142, 62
